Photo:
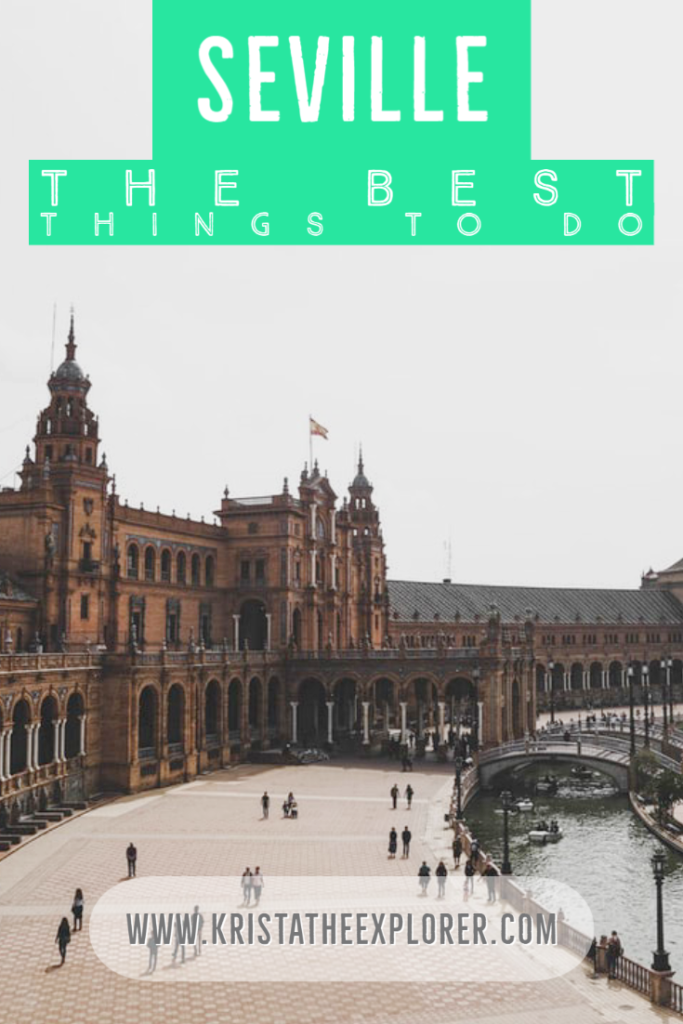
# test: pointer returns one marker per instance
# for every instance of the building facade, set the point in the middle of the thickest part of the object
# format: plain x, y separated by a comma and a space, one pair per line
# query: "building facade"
139, 648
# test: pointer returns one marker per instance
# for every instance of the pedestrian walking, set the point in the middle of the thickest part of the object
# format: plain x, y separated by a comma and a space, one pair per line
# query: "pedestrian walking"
441, 876
153, 947
409, 794
131, 859
491, 874
424, 875
406, 836
77, 910
393, 842
63, 938
474, 851
199, 924
394, 793
246, 887
265, 804
614, 951
469, 876
457, 851
257, 884
178, 945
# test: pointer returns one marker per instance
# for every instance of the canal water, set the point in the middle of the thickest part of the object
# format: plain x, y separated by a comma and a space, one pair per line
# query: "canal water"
604, 854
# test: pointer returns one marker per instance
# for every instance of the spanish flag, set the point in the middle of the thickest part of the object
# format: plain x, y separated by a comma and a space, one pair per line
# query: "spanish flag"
316, 429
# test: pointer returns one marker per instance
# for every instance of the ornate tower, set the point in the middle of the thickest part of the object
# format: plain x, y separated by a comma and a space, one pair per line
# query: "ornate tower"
369, 561
66, 488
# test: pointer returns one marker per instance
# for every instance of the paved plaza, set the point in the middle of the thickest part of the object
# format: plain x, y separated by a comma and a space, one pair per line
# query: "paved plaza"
213, 826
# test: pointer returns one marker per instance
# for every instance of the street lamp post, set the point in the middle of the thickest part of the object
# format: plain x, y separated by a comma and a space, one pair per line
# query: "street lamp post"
506, 799
669, 686
663, 680
475, 730
551, 670
646, 702
458, 786
660, 960
631, 710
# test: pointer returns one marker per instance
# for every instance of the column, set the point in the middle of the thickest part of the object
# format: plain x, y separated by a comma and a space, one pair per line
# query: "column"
294, 704
57, 741
567, 680
330, 709
333, 526
236, 631
547, 681
605, 679
333, 569
442, 722
313, 580
404, 721
586, 679
624, 676
3, 741
8, 752
269, 626
366, 721
480, 721
81, 742
30, 730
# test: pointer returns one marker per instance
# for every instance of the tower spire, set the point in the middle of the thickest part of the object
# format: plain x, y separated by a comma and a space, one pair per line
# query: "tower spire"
360, 460
71, 343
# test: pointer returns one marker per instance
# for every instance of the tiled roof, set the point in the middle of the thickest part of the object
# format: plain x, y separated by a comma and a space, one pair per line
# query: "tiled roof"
549, 605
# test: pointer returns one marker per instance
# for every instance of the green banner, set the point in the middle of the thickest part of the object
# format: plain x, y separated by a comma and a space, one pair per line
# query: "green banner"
292, 124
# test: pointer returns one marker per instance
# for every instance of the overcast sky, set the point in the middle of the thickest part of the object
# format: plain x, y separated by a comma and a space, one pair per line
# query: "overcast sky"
524, 404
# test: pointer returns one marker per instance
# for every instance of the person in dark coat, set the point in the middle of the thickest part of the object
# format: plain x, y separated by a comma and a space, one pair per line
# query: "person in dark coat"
77, 910
410, 792
131, 859
63, 937
441, 876
457, 851
393, 842
491, 874
406, 836
394, 793
424, 875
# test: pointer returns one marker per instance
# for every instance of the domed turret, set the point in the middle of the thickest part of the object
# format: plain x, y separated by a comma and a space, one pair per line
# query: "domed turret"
69, 375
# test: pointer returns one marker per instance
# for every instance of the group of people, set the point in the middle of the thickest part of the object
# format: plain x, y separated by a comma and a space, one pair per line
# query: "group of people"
64, 931
395, 793
424, 876
252, 886
290, 808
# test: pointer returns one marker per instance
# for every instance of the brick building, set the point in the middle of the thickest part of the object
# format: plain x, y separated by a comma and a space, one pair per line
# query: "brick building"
138, 648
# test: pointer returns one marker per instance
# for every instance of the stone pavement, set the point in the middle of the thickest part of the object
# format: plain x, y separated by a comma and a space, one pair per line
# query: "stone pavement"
213, 826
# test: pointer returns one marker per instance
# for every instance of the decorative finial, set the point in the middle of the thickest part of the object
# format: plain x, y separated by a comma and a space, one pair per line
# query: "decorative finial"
226, 492
285, 485
71, 343
360, 459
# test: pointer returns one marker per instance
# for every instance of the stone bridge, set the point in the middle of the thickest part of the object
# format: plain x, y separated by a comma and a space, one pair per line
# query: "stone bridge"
607, 754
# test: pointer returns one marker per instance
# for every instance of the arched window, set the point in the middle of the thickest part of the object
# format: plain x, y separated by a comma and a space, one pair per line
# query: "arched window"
209, 574
46, 731
212, 711
195, 571
176, 703
150, 563
18, 749
72, 730
147, 722
133, 561
181, 567
166, 565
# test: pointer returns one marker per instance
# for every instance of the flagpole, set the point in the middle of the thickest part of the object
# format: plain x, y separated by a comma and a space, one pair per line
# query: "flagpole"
310, 445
